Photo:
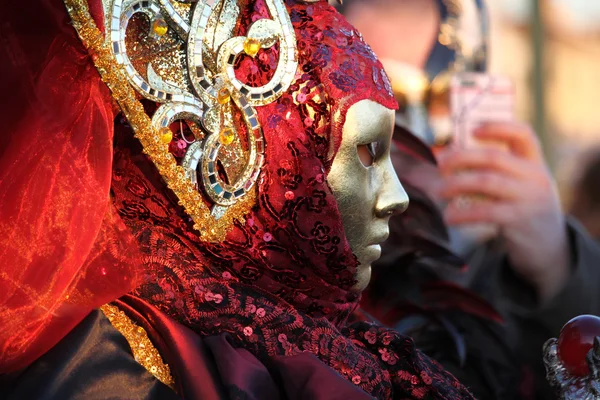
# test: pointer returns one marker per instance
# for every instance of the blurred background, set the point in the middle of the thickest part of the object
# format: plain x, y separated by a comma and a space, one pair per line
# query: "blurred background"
551, 49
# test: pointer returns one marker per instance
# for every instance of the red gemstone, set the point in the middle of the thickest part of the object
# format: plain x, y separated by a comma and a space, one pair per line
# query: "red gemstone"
575, 341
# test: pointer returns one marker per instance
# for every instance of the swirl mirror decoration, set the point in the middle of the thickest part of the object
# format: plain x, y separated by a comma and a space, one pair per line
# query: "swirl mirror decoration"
181, 56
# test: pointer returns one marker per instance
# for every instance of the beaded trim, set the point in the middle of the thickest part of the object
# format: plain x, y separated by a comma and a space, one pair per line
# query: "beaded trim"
142, 348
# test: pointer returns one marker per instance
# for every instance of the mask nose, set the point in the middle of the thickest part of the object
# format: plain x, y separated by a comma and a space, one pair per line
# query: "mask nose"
392, 199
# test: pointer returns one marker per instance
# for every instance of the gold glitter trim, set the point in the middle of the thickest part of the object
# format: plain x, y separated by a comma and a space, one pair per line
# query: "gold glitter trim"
210, 228
142, 348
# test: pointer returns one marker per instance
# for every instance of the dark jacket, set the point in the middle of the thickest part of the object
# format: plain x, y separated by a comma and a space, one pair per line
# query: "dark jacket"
530, 323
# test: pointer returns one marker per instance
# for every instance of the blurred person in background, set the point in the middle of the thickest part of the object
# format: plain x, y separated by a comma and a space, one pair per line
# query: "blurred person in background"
585, 203
538, 267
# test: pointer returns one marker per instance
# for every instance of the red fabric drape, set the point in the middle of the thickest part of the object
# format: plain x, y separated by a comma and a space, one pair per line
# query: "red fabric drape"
63, 251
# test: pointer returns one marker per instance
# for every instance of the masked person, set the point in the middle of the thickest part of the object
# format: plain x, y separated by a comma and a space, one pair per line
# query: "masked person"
535, 266
237, 185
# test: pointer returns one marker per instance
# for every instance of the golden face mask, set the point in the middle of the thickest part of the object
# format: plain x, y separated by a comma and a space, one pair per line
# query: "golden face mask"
364, 183
183, 59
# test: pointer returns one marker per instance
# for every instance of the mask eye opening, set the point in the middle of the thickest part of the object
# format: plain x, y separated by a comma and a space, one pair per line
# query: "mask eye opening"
367, 153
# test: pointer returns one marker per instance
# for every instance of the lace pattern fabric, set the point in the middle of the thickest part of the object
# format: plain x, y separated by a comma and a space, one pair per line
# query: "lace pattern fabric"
280, 283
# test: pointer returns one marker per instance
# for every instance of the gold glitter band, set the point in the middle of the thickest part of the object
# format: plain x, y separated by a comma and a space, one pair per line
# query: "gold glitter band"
210, 228
142, 348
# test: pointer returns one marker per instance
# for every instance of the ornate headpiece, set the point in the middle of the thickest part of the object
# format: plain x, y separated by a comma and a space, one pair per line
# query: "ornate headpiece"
184, 62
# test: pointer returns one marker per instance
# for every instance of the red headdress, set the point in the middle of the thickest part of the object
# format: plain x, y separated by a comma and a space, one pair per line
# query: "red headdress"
280, 282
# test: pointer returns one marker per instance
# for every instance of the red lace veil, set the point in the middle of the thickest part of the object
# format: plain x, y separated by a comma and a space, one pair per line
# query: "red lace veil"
279, 284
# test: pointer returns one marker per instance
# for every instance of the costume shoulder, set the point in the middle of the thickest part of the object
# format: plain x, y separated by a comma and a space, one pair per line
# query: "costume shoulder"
94, 361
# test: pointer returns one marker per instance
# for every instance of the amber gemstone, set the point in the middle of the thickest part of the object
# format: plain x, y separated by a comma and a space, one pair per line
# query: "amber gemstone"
575, 341
166, 135
251, 46
160, 27
227, 135
223, 96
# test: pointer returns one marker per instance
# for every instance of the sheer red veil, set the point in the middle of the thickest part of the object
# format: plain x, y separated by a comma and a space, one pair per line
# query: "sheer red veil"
63, 249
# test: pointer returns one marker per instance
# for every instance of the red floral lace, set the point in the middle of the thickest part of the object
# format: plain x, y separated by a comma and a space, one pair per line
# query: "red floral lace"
280, 283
